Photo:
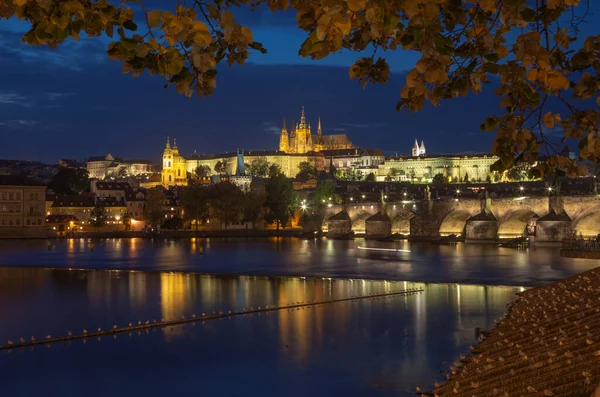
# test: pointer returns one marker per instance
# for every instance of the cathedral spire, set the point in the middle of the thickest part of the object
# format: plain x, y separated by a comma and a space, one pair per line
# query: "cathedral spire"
319, 128
174, 143
168, 145
284, 127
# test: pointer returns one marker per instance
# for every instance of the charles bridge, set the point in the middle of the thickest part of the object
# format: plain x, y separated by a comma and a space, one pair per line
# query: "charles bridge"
551, 218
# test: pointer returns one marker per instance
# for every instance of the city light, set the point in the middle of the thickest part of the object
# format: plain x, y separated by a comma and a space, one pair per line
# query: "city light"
363, 196
303, 206
457, 191
521, 188
404, 194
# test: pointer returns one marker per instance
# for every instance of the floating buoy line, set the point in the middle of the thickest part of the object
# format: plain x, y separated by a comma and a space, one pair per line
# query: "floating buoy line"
140, 326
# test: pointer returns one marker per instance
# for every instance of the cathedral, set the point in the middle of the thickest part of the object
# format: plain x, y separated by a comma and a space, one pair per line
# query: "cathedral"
300, 139
418, 151
174, 166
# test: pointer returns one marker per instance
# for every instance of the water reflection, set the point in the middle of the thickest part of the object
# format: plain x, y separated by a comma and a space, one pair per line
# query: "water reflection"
375, 347
471, 264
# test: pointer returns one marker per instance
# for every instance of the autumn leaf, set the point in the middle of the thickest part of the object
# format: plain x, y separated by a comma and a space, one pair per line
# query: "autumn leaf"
548, 120
356, 5
154, 18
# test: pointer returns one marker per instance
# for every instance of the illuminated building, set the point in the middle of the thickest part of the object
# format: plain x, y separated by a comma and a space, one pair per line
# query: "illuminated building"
174, 166
22, 210
301, 140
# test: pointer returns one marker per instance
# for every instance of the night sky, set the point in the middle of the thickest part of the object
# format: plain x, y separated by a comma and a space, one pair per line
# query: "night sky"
73, 102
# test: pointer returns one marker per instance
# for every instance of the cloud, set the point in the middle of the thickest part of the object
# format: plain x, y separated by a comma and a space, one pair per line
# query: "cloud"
12, 98
53, 96
271, 127
18, 123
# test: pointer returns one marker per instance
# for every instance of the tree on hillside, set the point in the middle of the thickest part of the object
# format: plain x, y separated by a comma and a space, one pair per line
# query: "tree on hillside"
280, 200
126, 220
70, 181
393, 175
221, 167
194, 199
325, 194
254, 204
412, 175
153, 206
202, 171
534, 53
306, 171
274, 169
371, 177
98, 216
259, 167
466, 178
226, 201
438, 179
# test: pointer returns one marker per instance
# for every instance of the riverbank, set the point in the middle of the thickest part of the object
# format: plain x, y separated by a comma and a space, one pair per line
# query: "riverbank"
547, 343
176, 234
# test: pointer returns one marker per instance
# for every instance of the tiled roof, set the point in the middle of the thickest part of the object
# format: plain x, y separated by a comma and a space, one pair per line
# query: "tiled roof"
547, 345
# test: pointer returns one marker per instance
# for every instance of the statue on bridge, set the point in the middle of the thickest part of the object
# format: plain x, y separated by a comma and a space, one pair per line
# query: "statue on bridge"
427, 193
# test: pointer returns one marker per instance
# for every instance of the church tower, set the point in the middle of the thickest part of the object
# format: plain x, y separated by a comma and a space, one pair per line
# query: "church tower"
415, 149
174, 169
303, 139
319, 133
284, 139
422, 149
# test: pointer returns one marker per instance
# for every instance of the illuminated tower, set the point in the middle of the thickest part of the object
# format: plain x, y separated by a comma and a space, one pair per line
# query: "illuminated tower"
284, 139
422, 149
415, 149
167, 171
174, 171
303, 139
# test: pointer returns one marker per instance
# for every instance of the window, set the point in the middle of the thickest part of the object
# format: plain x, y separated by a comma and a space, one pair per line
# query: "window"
178, 172
11, 196
10, 208
18, 196
3, 222
39, 222
10, 222
18, 222
31, 196
169, 178
4, 196
168, 163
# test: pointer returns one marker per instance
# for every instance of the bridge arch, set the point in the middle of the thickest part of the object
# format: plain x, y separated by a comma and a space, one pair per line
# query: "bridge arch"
588, 222
454, 223
514, 224
401, 221
358, 221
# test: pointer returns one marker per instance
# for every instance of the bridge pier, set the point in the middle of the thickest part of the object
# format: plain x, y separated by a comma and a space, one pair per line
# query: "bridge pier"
378, 226
339, 225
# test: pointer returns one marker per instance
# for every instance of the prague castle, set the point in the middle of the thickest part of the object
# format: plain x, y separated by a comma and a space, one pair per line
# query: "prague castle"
299, 145
301, 140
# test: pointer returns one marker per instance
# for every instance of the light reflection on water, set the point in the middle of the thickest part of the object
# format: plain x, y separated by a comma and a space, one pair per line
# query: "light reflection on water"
472, 263
376, 347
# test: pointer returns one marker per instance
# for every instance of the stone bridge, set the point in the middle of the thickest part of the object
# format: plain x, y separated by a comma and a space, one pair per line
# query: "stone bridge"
551, 218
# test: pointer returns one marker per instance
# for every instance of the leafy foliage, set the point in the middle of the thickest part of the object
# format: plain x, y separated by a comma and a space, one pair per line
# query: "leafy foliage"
70, 181
259, 167
254, 204
326, 194
153, 205
306, 171
280, 200
194, 199
532, 50
371, 177
439, 178
202, 171
221, 167
226, 201
98, 216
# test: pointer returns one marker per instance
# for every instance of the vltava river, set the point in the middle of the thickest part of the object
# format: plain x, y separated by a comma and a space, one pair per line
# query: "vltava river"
472, 263
371, 347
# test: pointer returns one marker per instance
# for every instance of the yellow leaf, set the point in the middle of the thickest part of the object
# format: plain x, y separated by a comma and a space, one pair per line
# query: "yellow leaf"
556, 81
532, 75
20, 2
356, 5
549, 120
553, 3
502, 51
154, 18
598, 101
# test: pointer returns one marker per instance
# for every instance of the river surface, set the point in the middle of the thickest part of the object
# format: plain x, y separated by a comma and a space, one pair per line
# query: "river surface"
470, 263
368, 347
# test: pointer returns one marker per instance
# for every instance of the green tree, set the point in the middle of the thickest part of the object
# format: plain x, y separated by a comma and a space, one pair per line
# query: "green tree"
70, 181
98, 216
274, 169
153, 206
194, 199
393, 175
439, 179
325, 194
412, 175
466, 178
254, 204
226, 201
371, 177
259, 167
515, 174
221, 167
306, 171
202, 171
280, 199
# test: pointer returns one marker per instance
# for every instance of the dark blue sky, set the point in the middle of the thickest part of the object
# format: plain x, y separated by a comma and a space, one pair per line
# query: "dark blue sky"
73, 102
